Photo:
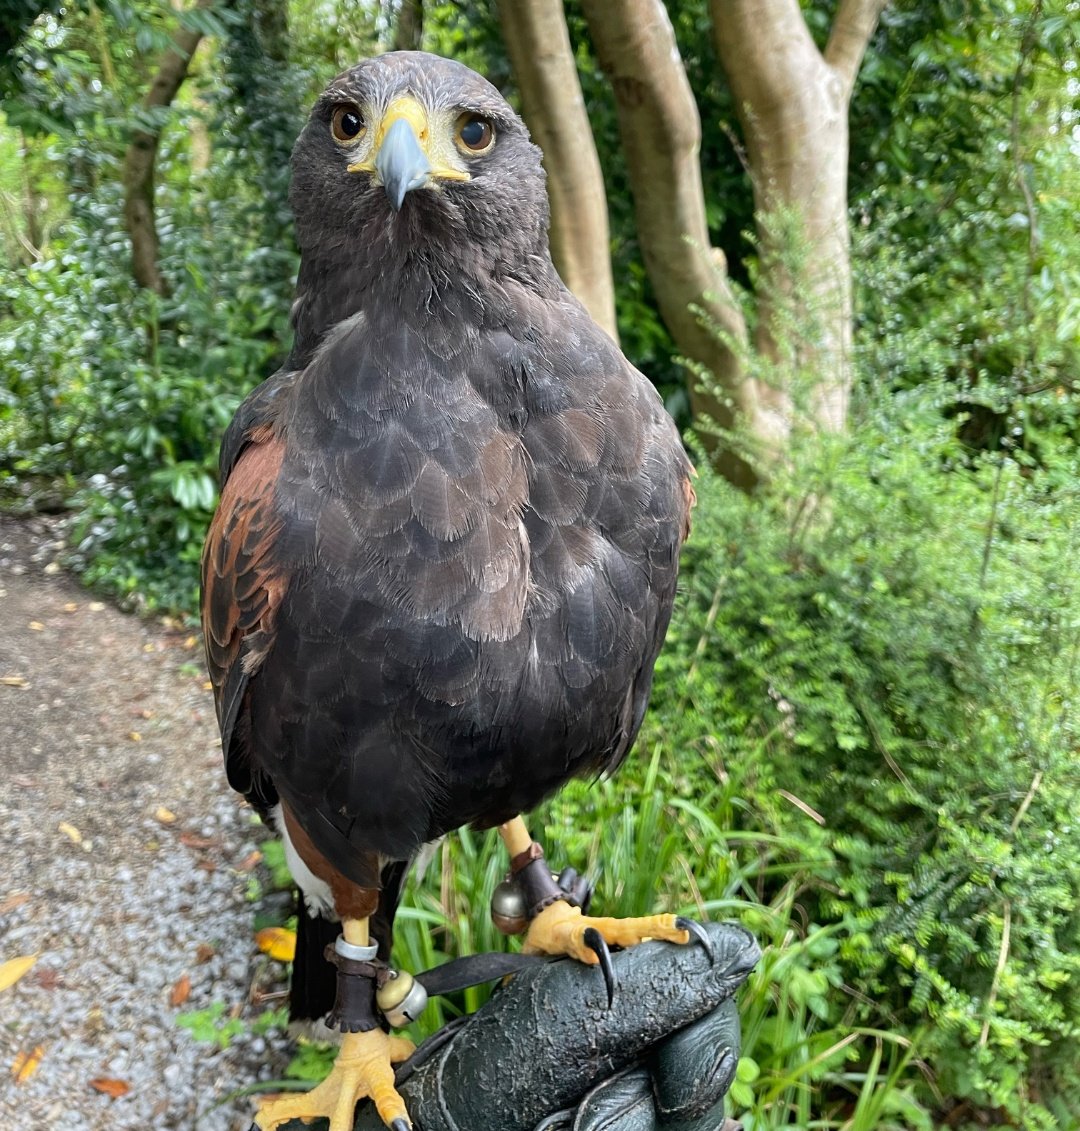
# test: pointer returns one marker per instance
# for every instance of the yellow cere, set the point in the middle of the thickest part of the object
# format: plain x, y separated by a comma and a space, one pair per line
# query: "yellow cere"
436, 148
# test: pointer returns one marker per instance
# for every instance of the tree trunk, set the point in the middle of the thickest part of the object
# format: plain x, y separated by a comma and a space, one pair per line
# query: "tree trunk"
538, 43
793, 106
409, 28
661, 135
141, 156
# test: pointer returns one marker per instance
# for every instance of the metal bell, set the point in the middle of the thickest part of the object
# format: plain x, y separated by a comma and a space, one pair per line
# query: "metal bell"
508, 910
402, 999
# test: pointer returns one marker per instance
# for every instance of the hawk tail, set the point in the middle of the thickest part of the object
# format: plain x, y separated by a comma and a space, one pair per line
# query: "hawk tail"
314, 980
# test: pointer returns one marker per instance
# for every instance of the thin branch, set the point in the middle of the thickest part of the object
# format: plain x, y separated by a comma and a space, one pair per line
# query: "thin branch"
102, 40
142, 154
409, 28
811, 812
33, 254
851, 31
34, 234
999, 969
1036, 781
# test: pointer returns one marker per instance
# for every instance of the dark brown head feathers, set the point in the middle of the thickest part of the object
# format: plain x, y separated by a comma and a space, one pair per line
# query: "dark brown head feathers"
457, 235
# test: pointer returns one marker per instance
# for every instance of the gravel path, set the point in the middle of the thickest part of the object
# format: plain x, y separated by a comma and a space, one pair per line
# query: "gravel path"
126, 862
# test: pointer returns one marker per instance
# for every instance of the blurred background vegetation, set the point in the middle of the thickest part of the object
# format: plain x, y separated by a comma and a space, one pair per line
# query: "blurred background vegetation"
863, 739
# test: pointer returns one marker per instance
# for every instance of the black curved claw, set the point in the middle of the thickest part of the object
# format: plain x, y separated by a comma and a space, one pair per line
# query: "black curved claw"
598, 944
697, 932
400, 1124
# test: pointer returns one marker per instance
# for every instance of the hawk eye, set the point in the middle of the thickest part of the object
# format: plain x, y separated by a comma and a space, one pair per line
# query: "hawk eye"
474, 133
346, 123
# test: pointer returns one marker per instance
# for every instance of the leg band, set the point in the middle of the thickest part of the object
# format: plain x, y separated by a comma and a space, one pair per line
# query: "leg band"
357, 980
540, 888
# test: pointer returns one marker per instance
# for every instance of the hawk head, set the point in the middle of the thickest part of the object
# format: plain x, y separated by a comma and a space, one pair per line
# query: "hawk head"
409, 153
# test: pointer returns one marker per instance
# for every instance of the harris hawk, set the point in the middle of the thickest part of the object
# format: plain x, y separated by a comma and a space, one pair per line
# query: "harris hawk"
445, 554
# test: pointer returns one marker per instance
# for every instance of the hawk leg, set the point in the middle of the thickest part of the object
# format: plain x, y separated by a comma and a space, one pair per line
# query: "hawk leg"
557, 927
363, 1065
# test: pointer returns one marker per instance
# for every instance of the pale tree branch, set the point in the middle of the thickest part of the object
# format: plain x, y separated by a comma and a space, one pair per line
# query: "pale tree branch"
661, 135
761, 42
538, 43
142, 154
852, 28
793, 107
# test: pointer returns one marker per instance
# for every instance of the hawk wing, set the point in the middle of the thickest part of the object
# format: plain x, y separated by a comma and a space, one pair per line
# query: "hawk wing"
609, 507
243, 580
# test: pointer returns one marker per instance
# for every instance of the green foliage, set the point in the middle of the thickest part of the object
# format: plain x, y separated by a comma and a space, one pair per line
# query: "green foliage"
124, 396
217, 1025
273, 852
312, 1062
896, 624
211, 1026
975, 273
113, 398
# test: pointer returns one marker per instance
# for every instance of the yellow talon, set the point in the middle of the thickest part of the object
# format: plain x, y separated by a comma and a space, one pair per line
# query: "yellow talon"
361, 1070
401, 1048
560, 929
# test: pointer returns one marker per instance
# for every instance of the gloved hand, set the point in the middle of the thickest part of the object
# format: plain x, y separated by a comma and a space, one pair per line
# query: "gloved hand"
547, 1054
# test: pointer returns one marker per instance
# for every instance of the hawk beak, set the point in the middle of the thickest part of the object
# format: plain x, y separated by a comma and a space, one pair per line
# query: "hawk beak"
402, 154
401, 162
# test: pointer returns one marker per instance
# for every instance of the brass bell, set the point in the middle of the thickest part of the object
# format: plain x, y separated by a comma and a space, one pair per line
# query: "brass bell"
508, 910
402, 999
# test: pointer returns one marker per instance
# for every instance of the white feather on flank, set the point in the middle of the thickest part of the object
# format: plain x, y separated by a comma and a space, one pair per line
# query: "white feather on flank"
317, 896
425, 856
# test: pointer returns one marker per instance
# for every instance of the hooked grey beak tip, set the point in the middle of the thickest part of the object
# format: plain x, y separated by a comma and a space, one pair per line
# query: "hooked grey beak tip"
395, 192
401, 163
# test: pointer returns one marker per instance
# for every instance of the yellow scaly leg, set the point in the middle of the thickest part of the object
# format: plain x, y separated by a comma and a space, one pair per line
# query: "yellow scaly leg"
563, 929
362, 1070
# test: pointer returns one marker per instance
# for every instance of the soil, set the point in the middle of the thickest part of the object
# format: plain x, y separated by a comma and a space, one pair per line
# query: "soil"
127, 868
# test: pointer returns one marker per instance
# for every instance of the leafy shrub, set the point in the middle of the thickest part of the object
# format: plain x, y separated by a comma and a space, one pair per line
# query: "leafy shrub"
886, 641
121, 396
